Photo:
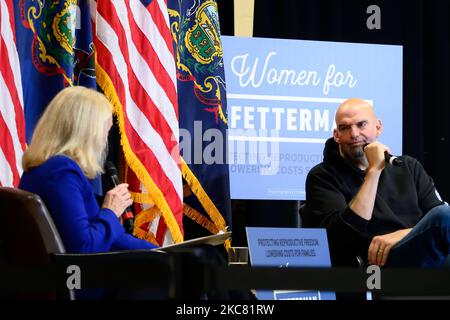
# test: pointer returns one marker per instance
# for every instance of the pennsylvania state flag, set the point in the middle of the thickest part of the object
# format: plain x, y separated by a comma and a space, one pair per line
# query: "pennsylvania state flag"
202, 115
56, 50
54, 42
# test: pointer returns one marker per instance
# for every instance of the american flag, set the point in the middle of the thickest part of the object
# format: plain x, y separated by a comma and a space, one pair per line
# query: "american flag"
136, 70
12, 124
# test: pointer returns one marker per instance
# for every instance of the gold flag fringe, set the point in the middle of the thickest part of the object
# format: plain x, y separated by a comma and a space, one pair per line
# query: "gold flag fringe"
147, 215
142, 198
203, 197
200, 219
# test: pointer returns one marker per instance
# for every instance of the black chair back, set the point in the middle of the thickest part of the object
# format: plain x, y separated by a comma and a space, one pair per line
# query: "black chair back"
28, 236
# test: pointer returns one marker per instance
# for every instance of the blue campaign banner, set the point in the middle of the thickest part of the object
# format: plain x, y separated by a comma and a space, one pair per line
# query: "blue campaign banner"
282, 96
289, 247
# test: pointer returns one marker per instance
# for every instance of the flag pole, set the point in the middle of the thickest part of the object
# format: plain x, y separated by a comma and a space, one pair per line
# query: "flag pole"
243, 17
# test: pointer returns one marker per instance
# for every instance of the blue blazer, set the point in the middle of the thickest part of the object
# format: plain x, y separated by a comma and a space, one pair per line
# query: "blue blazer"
69, 197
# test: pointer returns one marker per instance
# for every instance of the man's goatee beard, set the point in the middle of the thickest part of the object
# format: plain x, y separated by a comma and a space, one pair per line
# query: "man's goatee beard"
356, 154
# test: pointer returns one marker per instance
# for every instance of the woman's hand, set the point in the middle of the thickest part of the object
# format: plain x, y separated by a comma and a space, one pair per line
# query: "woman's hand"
118, 199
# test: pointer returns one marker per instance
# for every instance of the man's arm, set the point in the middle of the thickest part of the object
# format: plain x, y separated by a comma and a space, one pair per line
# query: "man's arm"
327, 207
363, 202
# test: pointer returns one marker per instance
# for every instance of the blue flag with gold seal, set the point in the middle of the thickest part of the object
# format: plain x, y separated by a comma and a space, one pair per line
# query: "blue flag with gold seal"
56, 50
54, 42
202, 115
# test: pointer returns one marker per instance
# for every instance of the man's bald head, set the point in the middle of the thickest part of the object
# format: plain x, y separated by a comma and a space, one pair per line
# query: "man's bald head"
353, 105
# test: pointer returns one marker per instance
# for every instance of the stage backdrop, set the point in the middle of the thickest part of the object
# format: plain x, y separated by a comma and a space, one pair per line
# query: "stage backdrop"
282, 96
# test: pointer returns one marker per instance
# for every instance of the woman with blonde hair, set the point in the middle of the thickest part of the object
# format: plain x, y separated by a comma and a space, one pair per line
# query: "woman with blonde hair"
67, 149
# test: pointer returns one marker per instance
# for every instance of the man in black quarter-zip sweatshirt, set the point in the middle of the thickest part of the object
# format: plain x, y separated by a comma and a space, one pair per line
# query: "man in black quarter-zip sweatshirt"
389, 215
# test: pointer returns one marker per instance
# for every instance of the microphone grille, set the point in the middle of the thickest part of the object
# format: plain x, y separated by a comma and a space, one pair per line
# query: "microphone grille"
110, 168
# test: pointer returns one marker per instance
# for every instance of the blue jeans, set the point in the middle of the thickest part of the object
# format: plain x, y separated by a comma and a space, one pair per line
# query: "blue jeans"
427, 244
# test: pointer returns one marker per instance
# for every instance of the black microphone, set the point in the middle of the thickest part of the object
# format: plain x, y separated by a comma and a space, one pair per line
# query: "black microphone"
389, 158
393, 160
127, 216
